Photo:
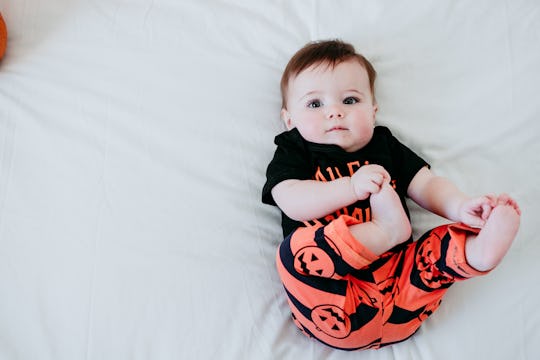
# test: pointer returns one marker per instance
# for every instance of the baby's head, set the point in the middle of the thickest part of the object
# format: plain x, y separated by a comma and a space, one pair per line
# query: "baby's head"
328, 95
327, 52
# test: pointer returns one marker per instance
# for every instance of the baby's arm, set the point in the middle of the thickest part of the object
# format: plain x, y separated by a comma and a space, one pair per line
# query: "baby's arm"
436, 194
310, 199
442, 197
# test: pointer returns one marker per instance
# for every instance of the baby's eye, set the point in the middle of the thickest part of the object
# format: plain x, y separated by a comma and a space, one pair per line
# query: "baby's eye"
314, 104
350, 100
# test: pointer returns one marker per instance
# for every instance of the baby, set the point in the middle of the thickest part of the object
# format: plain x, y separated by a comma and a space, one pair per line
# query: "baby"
353, 277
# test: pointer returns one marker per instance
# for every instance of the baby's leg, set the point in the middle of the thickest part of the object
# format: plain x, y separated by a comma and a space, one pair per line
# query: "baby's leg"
486, 250
389, 226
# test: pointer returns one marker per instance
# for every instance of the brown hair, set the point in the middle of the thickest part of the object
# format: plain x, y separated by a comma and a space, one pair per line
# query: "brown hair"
331, 52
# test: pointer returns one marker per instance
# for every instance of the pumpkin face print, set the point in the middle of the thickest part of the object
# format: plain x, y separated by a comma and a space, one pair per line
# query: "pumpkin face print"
427, 275
313, 261
331, 320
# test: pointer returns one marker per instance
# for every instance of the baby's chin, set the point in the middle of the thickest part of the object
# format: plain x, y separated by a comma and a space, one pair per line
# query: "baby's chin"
344, 141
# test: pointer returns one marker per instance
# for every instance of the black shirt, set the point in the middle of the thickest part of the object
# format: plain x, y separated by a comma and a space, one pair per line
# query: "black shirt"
296, 158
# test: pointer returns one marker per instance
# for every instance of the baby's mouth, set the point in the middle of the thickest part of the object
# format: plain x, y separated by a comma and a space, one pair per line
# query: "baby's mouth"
337, 128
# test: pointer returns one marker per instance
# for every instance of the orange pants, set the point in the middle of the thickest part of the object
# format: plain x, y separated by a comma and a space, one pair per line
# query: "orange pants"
346, 297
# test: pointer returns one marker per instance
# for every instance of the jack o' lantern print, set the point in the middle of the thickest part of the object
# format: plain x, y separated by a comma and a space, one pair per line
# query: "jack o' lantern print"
313, 261
426, 276
331, 320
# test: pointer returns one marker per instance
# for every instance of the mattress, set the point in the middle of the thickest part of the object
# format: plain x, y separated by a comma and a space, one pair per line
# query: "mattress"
134, 139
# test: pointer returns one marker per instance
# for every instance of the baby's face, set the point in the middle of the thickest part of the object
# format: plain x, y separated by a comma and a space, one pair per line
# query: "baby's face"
332, 106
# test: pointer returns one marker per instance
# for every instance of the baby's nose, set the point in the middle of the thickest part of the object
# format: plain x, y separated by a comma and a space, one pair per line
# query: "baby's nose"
335, 112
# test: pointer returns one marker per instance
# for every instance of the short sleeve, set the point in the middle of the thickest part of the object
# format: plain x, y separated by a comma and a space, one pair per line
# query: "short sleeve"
291, 161
406, 162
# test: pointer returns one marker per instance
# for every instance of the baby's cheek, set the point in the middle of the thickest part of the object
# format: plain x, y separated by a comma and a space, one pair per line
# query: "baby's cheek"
313, 133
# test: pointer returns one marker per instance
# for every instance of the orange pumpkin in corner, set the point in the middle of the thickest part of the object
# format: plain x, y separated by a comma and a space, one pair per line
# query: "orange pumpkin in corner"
3, 37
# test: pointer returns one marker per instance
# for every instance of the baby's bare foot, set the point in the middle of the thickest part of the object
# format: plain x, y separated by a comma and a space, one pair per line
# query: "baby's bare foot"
486, 250
388, 213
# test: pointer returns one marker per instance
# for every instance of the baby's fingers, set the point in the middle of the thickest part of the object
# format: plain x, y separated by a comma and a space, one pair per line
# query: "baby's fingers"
486, 211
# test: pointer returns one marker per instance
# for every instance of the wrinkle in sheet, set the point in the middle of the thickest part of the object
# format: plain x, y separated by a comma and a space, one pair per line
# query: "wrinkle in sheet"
7, 137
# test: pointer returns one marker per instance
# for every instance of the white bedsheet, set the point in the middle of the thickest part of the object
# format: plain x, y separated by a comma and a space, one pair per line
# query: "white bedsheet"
134, 137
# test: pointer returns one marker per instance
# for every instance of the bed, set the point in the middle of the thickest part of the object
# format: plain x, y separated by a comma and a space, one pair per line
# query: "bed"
134, 138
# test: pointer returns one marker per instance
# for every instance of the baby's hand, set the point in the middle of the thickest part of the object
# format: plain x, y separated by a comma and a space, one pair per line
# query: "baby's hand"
475, 211
368, 180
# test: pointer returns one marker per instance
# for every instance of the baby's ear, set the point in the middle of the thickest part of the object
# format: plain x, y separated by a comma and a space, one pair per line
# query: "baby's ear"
286, 117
